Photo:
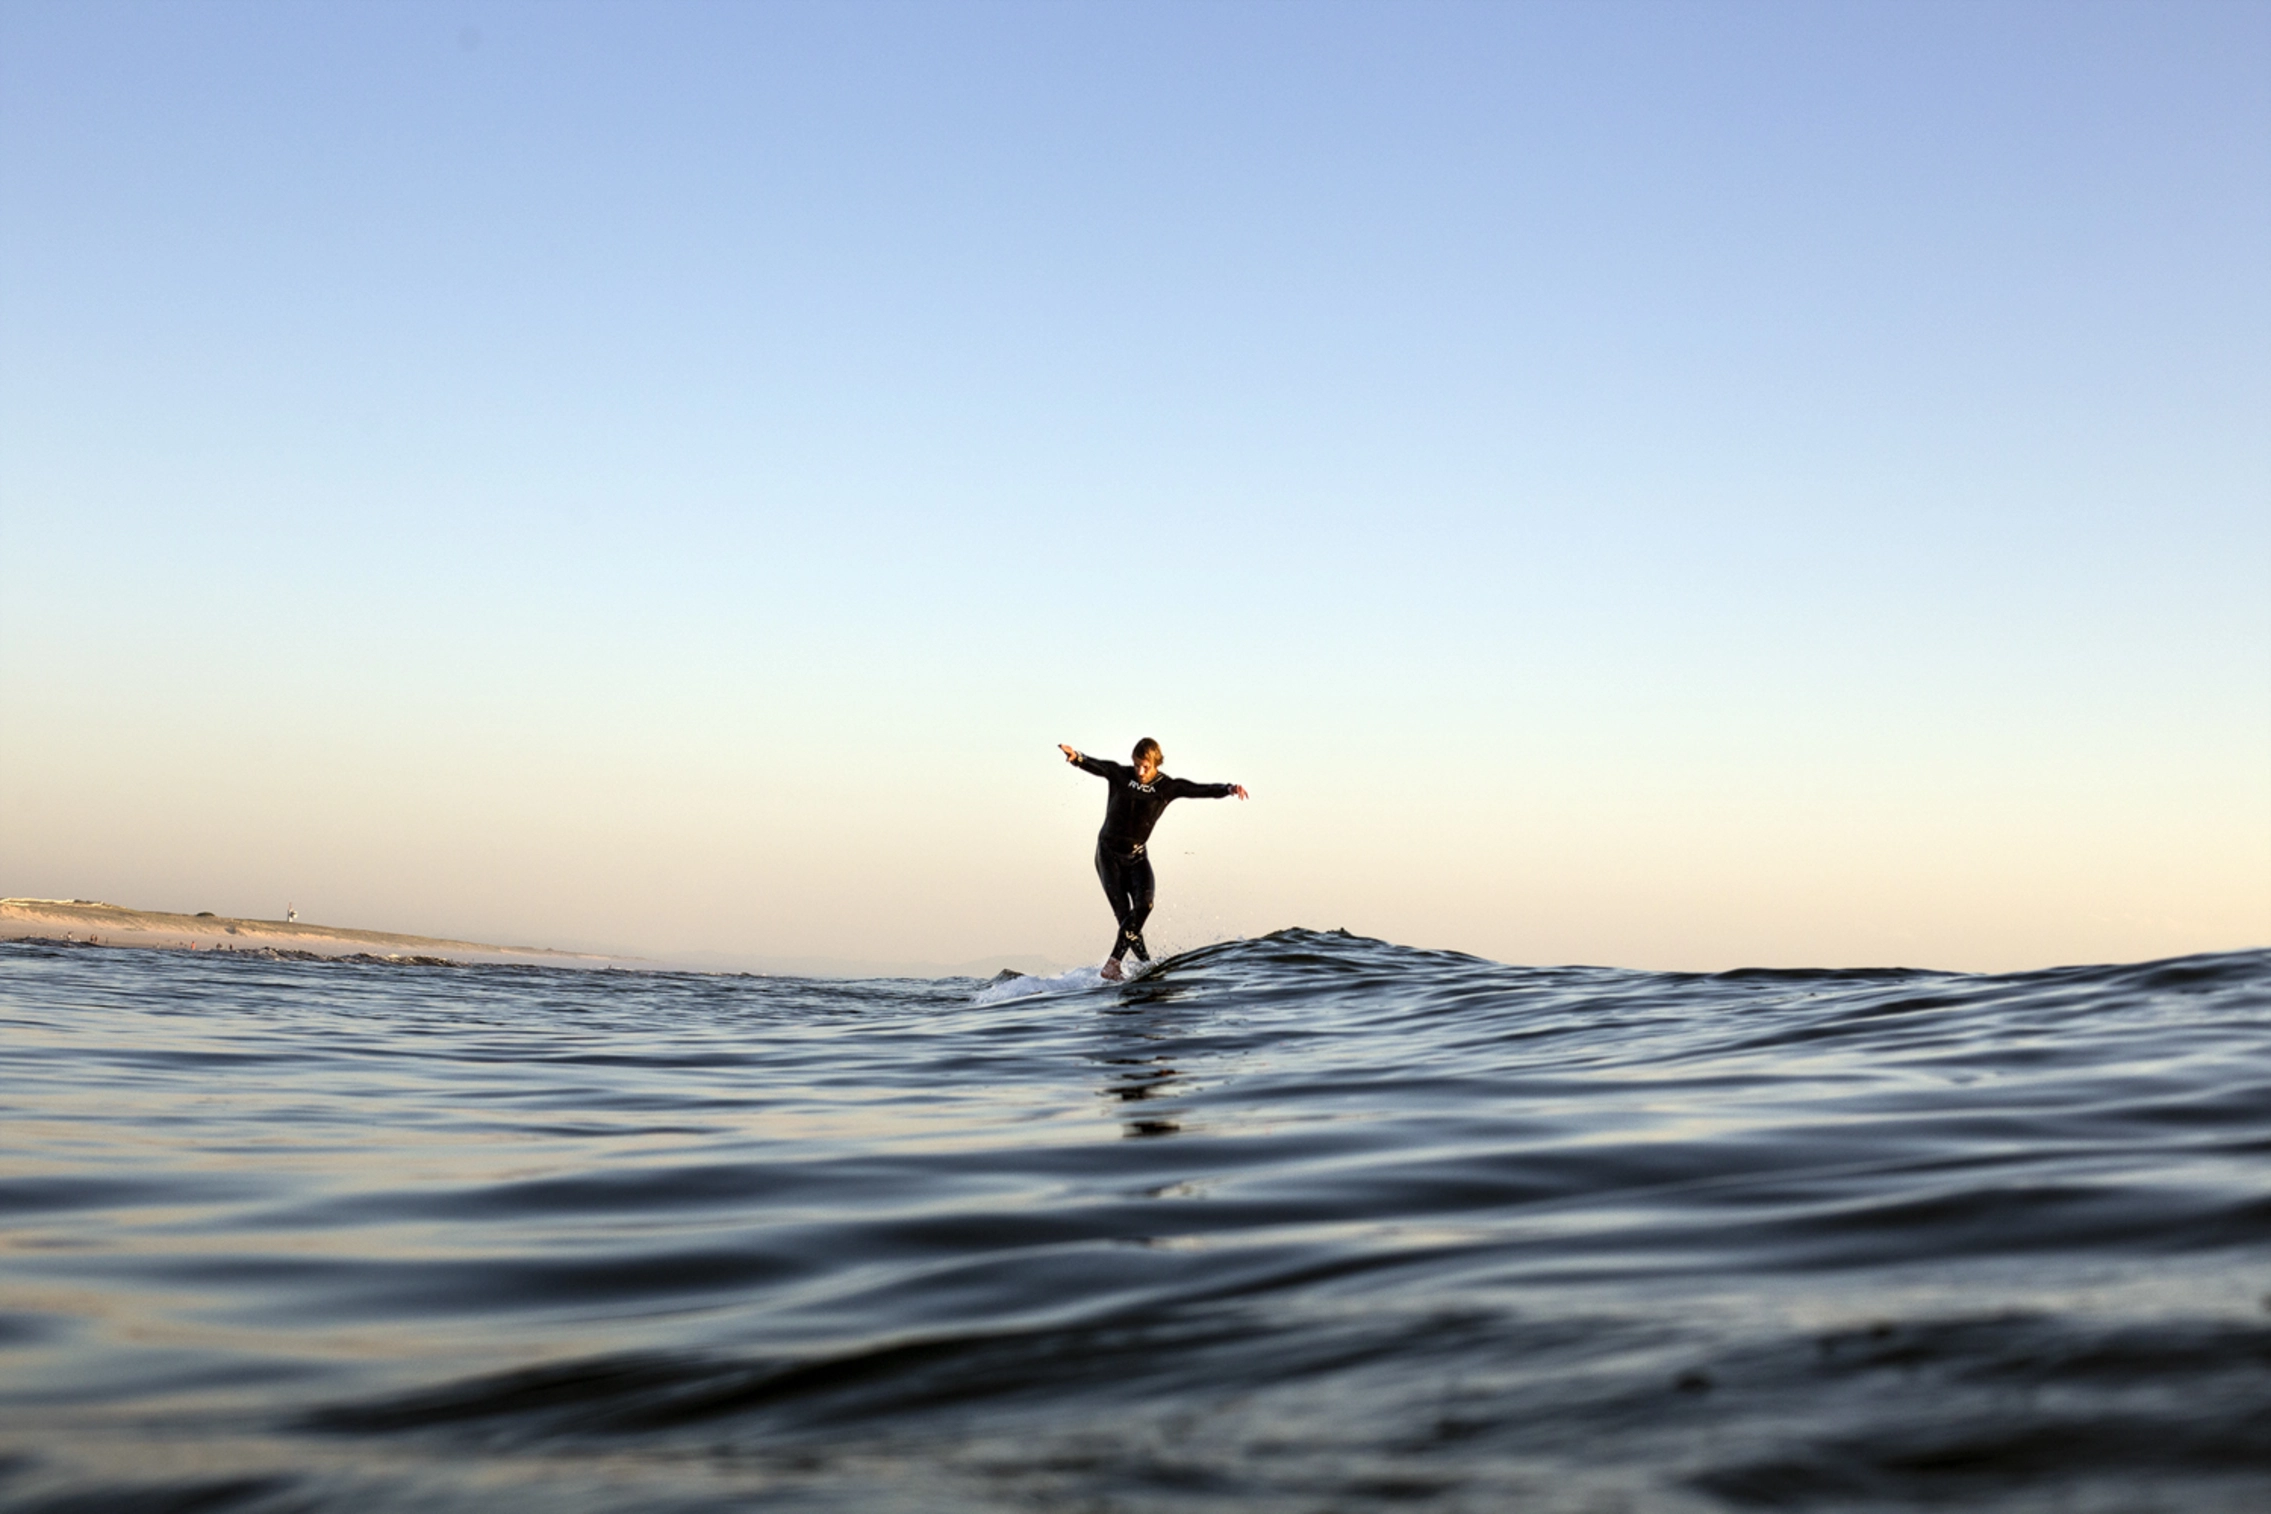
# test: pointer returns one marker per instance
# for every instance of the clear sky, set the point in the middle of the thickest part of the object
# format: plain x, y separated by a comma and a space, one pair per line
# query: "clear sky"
1679, 485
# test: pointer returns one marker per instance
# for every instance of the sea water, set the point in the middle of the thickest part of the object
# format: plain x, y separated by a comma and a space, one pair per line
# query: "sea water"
1308, 1222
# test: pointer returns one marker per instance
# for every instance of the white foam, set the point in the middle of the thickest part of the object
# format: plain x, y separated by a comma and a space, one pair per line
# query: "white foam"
1074, 981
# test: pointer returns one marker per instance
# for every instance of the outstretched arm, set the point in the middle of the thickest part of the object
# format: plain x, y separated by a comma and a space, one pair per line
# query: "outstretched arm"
1185, 789
1096, 765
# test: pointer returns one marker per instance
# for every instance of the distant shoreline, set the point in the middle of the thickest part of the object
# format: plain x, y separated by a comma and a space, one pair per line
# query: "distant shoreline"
92, 922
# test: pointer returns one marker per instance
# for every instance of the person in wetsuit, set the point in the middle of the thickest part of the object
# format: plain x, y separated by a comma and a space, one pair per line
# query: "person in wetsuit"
1131, 809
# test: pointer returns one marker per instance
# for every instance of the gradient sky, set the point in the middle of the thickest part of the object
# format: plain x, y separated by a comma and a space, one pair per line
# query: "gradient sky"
1669, 485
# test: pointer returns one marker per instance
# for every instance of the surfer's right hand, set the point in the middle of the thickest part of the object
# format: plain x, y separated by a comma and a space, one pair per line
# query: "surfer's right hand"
1070, 754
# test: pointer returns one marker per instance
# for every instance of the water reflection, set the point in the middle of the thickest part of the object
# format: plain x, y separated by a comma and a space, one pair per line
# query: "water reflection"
1140, 1080
1146, 1050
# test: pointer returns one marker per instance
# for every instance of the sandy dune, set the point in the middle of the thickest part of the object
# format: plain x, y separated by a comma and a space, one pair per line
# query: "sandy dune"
112, 925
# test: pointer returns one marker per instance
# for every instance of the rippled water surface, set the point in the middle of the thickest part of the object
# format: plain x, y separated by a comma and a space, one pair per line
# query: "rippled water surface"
1303, 1223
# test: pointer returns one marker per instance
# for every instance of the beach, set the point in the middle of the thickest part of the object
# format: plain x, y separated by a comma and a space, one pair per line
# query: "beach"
93, 922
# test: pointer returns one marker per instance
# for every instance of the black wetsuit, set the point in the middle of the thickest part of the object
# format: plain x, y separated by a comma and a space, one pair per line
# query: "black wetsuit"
1129, 814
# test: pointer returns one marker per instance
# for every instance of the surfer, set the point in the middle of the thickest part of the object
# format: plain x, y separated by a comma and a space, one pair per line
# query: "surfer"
1131, 809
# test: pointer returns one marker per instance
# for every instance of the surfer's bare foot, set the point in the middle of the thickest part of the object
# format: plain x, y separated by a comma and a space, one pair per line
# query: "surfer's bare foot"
1112, 973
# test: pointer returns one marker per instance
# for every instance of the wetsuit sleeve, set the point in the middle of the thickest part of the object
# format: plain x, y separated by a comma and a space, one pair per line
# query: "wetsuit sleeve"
1185, 789
1100, 767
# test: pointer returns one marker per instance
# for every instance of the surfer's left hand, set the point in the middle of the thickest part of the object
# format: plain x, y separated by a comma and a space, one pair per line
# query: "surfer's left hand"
1239, 789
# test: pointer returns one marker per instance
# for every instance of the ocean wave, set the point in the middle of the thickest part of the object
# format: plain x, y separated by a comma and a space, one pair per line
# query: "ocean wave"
1303, 1222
